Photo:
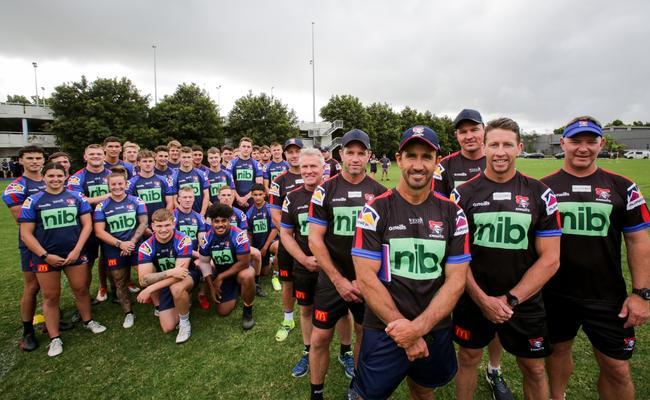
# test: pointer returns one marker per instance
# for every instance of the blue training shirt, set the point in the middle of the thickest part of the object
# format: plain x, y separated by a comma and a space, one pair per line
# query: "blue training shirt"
260, 224
163, 255
121, 217
244, 173
191, 224
151, 190
217, 180
224, 249
195, 179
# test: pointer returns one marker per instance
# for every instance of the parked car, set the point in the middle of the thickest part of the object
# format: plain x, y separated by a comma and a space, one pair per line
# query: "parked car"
604, 154
535, 155
523, 154
637, 154
559, 155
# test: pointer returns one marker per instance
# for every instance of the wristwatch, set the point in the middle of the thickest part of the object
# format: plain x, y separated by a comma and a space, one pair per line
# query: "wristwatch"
513, 301
118, 243
644, 293
44, 255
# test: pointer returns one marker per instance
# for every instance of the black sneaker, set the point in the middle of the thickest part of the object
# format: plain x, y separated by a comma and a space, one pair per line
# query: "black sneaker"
28, 342
259, 292
500, 390
248, 322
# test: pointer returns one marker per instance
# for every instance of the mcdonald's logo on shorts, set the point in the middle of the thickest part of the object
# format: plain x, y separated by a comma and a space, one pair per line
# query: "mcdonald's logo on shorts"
42, 267
284, 273
461, 333
300, 295
320, 315
112, 262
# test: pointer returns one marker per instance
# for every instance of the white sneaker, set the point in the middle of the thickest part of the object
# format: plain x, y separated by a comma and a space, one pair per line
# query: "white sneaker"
101, 295
156, 312
129, 320
95, 327
133, 289
184, 332
56, 347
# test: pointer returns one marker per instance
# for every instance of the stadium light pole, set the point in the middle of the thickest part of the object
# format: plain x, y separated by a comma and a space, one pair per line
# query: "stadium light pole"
35, 81
155, 78
43, 98
219, 95
313, 74
272, 87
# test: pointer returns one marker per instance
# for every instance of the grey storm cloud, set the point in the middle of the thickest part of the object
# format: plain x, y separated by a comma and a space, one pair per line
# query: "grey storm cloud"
538, 62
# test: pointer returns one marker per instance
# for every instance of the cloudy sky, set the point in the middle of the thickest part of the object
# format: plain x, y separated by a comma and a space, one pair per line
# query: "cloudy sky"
539, 62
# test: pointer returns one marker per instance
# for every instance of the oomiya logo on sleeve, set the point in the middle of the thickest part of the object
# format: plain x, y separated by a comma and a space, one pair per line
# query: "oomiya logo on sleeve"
186, 241
145, 249
74, 180
285, 204
27, 203
551, 202
241, 238
318, 196
437, 174
15, 188
634, 197
368, 218
274, 190
454, 196
462, 227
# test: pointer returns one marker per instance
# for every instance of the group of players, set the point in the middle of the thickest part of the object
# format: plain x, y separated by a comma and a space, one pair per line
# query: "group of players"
465, 250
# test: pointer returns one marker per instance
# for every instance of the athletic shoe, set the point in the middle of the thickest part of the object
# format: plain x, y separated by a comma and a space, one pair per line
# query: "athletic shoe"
500, 390
94, 326
275, 282
302, 367
184, 332
203, 302
248, 322
56, 347
129, 320
347, 362
133, 289
352, 394
65, 326
259, 292
101, 295
76, 317
156, 312
286, 327
28, 342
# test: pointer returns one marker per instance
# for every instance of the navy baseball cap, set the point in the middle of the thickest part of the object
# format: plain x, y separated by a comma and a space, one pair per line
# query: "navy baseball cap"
356, 135
582, 125
422, 133
293, 142
468, 115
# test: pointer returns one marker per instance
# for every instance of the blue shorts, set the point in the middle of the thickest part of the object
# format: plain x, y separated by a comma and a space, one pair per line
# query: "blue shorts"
114, 261
229, 289
25, 259
92, 248
166, 300
383, 365
40, 265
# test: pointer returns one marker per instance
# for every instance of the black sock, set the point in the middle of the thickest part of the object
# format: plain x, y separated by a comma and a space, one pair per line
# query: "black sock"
128, 312
345, 348
157, 308
248, 310
28, 328
317, 391
87, 322
307, 347
55, 337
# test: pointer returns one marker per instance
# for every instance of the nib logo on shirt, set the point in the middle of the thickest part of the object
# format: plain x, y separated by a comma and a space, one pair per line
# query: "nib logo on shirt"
502, 230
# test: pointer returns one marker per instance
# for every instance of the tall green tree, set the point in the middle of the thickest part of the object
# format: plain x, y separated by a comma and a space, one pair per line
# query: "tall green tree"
18, 98
347, 108
87, 112
189, 116
384, 126
442, 125
263, 118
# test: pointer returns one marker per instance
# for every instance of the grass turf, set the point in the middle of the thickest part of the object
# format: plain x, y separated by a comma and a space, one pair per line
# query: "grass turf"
220, 361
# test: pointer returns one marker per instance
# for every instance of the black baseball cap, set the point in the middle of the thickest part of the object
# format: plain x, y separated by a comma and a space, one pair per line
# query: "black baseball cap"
356, 135
293, 142
468, 115
422, 133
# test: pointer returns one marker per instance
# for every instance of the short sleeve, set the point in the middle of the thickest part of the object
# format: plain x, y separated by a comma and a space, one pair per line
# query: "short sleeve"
636, 216
84, 206
15, 193
205, 184
75, 182
548, 218
27, 211
242, 245
183, 245
275, 199
204, 246
145, 253
368, 240
99, 215
258, 169
130, 185
202, 226
458, 248
317, 211
286, 221
141, 207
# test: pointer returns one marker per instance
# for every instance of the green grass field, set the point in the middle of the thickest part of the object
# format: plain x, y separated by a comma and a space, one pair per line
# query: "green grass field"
220, 360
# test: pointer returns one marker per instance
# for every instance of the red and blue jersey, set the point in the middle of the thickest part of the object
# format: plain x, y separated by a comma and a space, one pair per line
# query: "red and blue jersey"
191, 224
197, 180
163, 255
91, 184
56, 218
151, 190
167, 172
217, 180
259, 224
238, 219
121, 217
244, 173
20, 189
274, 169
224, 249
130, 169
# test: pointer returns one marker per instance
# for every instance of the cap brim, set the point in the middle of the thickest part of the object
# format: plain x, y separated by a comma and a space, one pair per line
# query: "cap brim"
292, 144
366, 145
467, 119
420, 138
583, 129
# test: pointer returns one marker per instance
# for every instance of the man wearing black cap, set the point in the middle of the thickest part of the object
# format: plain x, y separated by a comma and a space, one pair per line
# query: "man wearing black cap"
596, 207
515, 245
332, 166
333, 213
422, 238
283, 184
462, 165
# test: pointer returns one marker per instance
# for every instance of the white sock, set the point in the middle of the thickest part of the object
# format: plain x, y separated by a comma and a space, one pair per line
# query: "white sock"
288, 316
493, 369
184, 318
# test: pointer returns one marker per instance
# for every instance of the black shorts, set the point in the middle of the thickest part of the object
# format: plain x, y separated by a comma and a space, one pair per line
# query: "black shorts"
599, 321
524, 335
25, 259
329, 306
229, 289
304, 285
373, 167
285, 264
92, 248
40, 265
383, 365
114, 261
166, 300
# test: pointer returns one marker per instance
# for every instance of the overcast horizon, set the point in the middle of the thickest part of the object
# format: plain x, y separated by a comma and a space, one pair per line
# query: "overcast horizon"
540, 63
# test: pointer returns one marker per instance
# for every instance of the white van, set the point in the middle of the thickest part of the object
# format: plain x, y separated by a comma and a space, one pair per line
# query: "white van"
630, 154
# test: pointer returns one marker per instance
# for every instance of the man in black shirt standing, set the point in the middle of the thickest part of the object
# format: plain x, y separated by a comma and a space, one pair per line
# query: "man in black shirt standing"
597, 208
411, 256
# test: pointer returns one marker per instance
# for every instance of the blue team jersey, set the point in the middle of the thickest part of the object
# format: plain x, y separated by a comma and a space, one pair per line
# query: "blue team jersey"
163, 255
259, 224
173, 166
195, 179
224, 249
203, 168
217, 180
169, 171
238, 219
57, 219
130, 169
20, 189
89, 183
191, 224
244, 173
151, 190
272, 170
121, 217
